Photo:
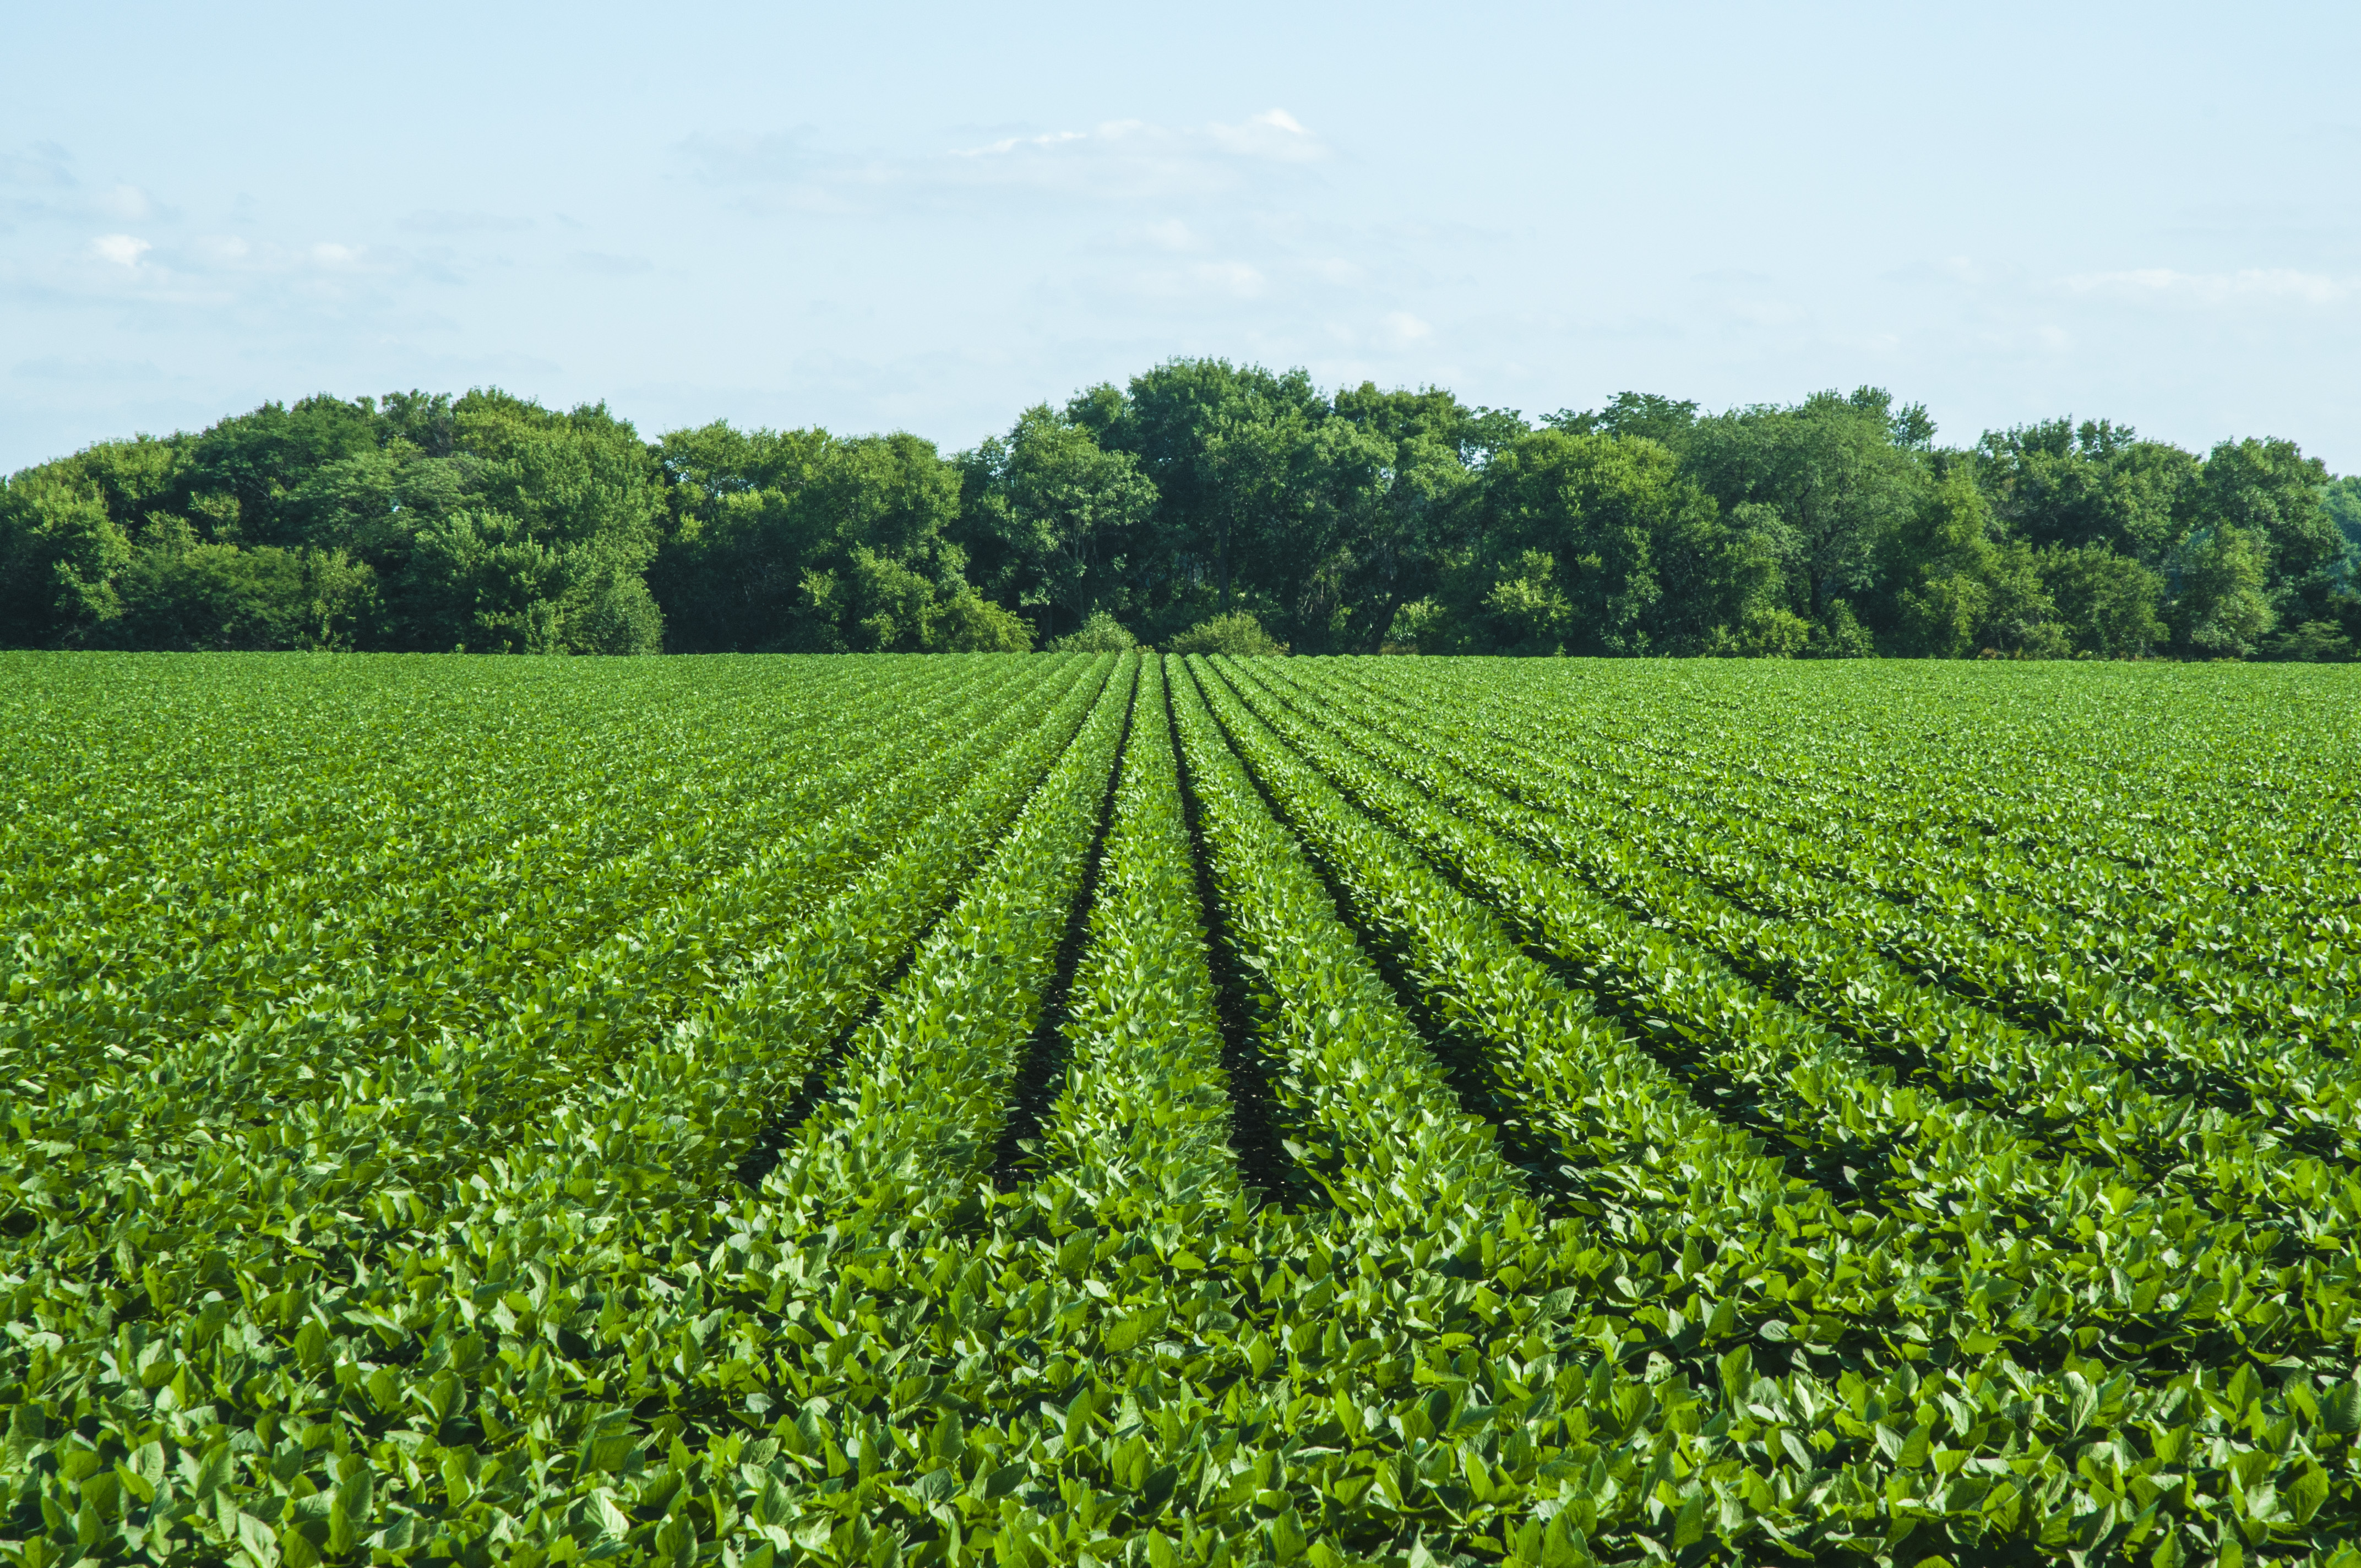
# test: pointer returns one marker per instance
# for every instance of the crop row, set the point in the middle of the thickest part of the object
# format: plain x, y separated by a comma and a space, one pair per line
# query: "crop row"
1171, 1114
2293, 977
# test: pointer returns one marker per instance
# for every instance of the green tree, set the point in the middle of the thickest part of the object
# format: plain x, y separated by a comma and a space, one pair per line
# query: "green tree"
1404, 499
2314, 642
1833, 472
1050, 518
59, 553
2271, 492
803, 541
2056, 484
1643, 414
729, 574
2107, 602
2341, 500
562, 516
1195, 427
244, 478
183, 593
2223, 609
1958, 590
1576, 529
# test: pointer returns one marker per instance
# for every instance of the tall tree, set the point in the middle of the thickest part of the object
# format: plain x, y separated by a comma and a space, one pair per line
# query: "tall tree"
1574, 534
2055, 483
2222, 609
804, 541
1051, 521
1198, 428
1839, 473
2269, 491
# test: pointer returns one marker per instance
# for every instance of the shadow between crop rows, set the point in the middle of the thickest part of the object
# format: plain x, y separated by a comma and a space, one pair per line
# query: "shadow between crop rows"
1263, 1161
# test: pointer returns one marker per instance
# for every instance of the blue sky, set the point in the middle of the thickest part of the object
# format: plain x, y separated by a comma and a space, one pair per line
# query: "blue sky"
927, 217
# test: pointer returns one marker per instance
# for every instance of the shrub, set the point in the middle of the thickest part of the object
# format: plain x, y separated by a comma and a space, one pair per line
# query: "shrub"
1102, 633
969, 623
2314, 642
1237, 632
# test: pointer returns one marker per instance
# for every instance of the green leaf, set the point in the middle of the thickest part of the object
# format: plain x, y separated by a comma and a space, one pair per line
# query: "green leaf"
2310, 1491
311, 1345
1914, 1447
2081, 1400
1688, 1525
610, 1521
771, 1504
212, 1471
1737, 1374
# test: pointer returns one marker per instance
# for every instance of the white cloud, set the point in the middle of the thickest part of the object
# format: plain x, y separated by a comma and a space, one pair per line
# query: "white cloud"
328, 255
1404, 327
123, 249
2215, 288
1010, 144
1121, 161
1274, 133
125, 202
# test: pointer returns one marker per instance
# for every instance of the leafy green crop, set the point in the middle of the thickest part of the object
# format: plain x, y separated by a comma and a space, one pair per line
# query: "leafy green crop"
1181, 1114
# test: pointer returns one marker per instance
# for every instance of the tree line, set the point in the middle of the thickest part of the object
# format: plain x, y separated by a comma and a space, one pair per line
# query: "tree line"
1205, 504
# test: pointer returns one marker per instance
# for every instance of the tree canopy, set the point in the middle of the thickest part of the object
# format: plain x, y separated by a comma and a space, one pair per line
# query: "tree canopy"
1200, 495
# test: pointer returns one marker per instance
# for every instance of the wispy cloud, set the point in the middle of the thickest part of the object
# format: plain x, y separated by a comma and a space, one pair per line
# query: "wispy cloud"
610, 264
2164, 283
1125, 161
766, 158
44, 167
85, 368
126, 202
441, 222
1273, 134
1010, 144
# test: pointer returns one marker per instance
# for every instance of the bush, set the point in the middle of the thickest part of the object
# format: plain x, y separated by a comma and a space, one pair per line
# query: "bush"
1237, 632
619, 616
181, 595
2314, 642
1839, 636
1764, 632
969, 623
1102, 633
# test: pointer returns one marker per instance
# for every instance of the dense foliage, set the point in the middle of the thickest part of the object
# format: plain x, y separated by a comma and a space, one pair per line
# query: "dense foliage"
1112, 1109
1358, 522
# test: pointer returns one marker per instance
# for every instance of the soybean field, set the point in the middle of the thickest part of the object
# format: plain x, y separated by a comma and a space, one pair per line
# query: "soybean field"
1122, 1110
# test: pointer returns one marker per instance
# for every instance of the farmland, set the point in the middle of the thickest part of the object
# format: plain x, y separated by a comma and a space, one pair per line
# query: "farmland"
1177, 1114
